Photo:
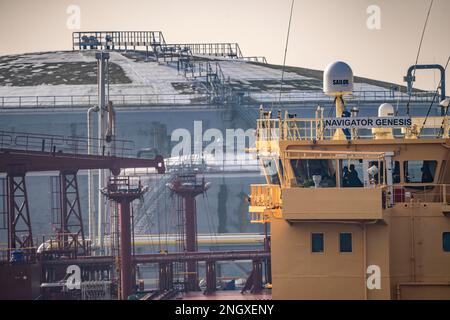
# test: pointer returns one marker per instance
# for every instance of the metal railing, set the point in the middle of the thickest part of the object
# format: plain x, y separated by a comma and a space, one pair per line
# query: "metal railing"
259, 59
266, 195
265, 202
268, 198
315, 129
426, 193
58, 143
200, 69
78, 101
366, 96
86, 40
220, 49
124, 184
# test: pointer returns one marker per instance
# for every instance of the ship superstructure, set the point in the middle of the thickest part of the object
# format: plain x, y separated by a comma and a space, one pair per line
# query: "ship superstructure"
358, 209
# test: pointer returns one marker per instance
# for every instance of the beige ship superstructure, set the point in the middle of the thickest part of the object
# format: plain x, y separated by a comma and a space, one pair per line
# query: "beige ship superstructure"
356, 211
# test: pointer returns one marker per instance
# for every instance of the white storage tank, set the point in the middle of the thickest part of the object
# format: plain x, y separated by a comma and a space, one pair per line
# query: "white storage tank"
338, 79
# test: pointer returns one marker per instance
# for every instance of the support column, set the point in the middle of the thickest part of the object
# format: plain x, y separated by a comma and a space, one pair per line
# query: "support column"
71, 228
268, 265
257, 277
191, 240
188, 187
18, 215
123, 192
126, 270
211, 281
165, 276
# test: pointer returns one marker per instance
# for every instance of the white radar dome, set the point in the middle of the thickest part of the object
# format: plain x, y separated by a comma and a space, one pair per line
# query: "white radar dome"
337, 79
386, 110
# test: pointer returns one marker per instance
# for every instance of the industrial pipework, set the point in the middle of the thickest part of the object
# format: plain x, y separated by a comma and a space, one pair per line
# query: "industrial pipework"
410, 78
91, 205
102, 67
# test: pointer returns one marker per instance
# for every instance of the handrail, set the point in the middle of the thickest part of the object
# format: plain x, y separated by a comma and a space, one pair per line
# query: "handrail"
58, 143
74, 101
85, 40
259, 59
357, 96
312, 129
422, 192
224, 49
269, 195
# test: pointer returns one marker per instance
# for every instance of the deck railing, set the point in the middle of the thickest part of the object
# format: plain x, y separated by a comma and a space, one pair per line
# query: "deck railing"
313, 129
266, 201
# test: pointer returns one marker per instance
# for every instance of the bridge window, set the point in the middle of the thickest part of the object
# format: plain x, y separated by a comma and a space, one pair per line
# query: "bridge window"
317, 243
419, 171
345, 242
309, 172
446, 241
396, 172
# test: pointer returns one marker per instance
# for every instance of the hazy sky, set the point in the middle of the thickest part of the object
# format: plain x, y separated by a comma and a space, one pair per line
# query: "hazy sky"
321, 31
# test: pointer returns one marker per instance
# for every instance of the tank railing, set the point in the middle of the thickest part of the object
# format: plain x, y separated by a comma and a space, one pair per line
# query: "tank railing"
87, 40
357, 96
76, 101
259, 59
58, 143
198, 69
219, 49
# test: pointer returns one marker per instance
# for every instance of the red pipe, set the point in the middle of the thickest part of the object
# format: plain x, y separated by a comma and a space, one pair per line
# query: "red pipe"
126, 270
191, 238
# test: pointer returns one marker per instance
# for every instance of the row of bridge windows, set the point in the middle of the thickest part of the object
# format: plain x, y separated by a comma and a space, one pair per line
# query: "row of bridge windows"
309, 171
346, 242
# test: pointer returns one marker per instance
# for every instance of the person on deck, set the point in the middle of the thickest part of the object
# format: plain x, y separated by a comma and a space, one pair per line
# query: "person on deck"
345, 174
353, 179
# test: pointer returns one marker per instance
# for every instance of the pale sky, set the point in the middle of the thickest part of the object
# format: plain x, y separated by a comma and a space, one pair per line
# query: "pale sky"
321, 32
